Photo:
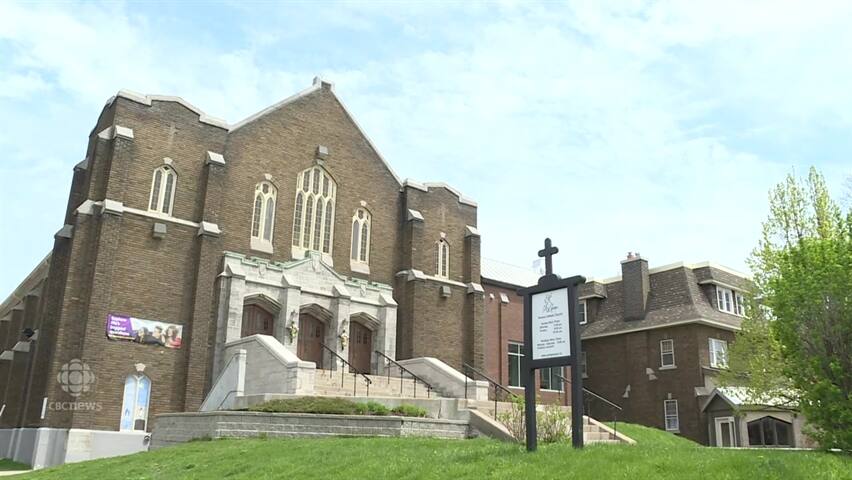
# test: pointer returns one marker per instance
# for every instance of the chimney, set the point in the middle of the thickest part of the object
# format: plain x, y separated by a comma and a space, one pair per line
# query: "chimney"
635, 286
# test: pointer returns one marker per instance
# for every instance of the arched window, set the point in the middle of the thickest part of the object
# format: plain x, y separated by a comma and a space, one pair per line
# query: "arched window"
360, 236
443, 258
313, 217
263, 217
163, 190
134, 407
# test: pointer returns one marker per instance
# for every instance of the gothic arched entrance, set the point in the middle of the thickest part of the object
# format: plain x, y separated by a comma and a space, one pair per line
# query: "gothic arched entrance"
311, 335
360, 347
256, 320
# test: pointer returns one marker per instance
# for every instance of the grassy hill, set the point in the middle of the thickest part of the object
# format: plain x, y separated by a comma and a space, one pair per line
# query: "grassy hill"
658, 455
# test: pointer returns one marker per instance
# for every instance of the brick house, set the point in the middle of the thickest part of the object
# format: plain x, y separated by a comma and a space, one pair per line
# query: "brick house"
183, 233
653, 339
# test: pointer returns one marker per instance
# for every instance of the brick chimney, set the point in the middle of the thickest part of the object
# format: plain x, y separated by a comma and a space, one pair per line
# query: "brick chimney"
635, 285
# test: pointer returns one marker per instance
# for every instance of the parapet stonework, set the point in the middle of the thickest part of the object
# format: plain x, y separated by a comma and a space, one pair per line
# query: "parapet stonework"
309, 284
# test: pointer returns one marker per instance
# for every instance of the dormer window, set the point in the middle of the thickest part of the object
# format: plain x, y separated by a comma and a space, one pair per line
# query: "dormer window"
730, 301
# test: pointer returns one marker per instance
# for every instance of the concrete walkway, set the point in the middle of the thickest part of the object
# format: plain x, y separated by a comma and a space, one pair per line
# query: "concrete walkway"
6, 473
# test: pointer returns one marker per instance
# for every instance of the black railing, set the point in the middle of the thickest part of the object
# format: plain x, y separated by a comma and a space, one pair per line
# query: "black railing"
355, 372
470, 372
587, 403
402, 369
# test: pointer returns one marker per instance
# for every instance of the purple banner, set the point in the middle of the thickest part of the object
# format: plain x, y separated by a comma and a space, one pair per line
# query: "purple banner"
150, 332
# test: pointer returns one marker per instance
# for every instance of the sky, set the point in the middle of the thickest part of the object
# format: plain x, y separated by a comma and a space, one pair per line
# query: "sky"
656, 127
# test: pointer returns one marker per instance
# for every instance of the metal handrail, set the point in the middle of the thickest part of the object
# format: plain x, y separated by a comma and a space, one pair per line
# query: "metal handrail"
343, 371
588, 413
403, 369
468, 368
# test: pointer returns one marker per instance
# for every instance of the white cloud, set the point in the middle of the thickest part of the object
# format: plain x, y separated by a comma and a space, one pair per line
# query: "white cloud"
610, 127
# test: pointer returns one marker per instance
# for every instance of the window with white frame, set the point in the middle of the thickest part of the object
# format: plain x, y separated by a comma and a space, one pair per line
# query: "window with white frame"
739, 304
730, 301
134, 407
263, 214
163, 185
442, 268
361, 236
584, 369
667, 357
670, 411
313, 216
718, 353
516, 354
582, 312
550, 378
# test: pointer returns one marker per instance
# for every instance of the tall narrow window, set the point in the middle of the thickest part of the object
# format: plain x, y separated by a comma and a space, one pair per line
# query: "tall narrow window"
443, 258
162, 190
667, 358
134, 407
582, 312
516, 353
263, 216
313, 218
360, 236
718, 353
672, 419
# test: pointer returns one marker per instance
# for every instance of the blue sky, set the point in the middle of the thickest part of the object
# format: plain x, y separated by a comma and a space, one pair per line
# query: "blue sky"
610, 127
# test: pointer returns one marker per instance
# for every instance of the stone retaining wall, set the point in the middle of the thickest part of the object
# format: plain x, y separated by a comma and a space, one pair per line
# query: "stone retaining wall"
174, 428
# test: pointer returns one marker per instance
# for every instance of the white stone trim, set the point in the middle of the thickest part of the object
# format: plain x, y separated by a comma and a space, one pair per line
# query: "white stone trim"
22, 346
473, 287
7, 356
111, 132
471, 231
148, 99
83, 165
414, 274
504, 298
359, 267
209, 228
414, 215
87, 207
112, 207
723, 285
313, 88
215, 158
427, 185
161, 216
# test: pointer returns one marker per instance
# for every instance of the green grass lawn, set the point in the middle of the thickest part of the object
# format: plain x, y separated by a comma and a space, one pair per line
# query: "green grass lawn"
7, 465
658, 455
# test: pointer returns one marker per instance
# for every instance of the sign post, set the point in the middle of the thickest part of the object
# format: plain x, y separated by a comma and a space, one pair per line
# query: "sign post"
552, 340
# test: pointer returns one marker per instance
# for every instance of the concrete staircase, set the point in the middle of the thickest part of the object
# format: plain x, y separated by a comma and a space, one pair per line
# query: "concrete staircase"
594, 432
334, 383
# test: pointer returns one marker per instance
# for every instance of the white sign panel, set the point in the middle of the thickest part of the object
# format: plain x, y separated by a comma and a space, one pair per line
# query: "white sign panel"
551, 337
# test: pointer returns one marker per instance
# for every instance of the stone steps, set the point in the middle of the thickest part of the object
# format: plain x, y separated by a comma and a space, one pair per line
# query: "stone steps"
330, 383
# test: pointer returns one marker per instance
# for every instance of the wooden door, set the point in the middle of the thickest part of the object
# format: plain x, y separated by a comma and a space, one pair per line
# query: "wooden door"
360, 347
311, 336
256, 320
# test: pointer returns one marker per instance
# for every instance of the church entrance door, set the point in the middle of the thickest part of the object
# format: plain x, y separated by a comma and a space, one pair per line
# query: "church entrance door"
256, 320
360, 347
311, 335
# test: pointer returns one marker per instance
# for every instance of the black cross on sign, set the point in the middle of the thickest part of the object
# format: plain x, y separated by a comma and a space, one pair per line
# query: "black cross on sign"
548, 252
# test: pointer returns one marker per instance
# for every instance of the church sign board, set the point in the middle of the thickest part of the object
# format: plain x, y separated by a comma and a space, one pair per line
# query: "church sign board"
550, 329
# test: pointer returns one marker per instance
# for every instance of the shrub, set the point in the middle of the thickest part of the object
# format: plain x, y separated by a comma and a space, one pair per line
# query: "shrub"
406, 410
372, 408
553, 423
327, 405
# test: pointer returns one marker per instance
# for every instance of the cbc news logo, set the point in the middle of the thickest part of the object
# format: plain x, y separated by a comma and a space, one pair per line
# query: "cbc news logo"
75, 377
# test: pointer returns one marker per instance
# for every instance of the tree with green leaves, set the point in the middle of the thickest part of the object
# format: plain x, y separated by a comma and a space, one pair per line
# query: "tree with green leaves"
796, 344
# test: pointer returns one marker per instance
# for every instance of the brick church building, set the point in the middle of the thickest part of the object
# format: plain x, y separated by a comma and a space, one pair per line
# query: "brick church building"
183, 233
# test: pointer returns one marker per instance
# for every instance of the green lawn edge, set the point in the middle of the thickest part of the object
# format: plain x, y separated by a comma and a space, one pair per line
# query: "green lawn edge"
656, 455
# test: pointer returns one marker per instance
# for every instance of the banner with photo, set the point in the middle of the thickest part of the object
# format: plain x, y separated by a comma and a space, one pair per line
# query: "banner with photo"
150, 332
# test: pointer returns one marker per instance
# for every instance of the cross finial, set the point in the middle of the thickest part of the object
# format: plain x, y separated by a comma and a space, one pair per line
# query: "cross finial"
548, 252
